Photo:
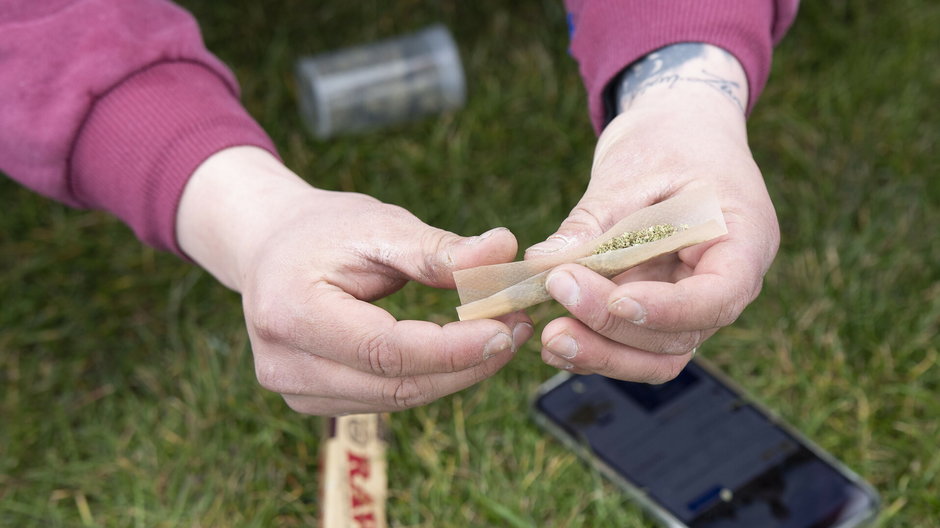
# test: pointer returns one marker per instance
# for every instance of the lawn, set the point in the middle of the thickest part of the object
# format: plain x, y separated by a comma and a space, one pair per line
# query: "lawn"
127, 394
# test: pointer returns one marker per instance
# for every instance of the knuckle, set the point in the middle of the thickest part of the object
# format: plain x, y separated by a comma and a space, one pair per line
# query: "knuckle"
606, 323
583, 218
728, 312
663, 371
672, 369
408, 393
308, 407
755, 291
299, 406
436, 264
380, 357
396, 212
438, 261
270, 376
270, 325
604, 365
449, 361
683, 342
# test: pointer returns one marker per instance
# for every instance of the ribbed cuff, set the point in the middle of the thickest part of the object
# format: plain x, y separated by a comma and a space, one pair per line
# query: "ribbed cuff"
144, 139
609, 35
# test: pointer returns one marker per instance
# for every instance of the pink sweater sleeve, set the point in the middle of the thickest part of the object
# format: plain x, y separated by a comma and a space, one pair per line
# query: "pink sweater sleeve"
608, 35
112, 104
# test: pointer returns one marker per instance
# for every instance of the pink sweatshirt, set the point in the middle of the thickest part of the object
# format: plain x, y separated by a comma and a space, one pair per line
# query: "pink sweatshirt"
112, 104
608, 35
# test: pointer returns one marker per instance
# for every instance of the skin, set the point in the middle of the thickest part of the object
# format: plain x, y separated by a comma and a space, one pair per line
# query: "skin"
307, 266
681, 125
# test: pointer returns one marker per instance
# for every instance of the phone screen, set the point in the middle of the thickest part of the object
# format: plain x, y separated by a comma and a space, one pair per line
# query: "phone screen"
704, 454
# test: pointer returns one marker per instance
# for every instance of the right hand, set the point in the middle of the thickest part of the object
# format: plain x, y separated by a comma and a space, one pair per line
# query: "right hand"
307, 263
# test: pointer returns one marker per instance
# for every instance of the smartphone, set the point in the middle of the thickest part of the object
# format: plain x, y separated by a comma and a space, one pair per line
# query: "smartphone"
698, 452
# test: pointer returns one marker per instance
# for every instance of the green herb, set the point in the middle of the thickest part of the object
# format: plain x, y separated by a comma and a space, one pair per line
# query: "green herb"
640, 236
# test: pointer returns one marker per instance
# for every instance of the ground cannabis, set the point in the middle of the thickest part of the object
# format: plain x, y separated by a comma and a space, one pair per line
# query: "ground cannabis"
640, 236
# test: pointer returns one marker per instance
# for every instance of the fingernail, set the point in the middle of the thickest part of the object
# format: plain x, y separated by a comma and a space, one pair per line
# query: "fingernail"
520, 334
552, 244
563, 345
472, 241
497, 344
562, 286
628, 309
557, 362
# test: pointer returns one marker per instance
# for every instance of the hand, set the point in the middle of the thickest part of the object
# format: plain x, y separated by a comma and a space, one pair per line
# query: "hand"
646, 324
307, 262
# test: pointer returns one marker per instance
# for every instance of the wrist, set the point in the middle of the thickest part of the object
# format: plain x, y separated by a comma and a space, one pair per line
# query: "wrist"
683, 106
231, 206
688, 78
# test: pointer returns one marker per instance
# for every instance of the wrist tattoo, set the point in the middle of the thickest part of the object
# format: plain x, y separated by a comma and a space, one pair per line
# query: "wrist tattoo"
670, 66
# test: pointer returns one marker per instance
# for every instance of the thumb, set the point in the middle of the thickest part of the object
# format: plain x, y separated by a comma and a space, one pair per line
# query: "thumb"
580, 227
440, 253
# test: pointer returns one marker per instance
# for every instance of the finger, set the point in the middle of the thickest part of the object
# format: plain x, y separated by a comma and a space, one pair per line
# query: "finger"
320, 406
578, 228
430, 255
559, 362
314, 385
725, 280
570, 342
665, 268
334, 325
521, 325
595, 213
585, 294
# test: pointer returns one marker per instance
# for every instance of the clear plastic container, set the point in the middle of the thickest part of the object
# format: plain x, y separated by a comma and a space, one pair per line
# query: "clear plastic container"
379, 84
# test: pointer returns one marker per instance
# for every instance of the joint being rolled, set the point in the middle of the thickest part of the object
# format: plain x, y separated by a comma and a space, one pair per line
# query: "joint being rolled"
684, 220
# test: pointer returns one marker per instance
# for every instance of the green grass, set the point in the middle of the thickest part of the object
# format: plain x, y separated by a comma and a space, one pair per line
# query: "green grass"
127, 395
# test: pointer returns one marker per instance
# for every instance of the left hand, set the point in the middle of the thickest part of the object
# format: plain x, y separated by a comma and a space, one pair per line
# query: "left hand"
646, 324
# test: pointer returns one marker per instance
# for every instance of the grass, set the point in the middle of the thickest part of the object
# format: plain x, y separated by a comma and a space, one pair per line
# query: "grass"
127, 395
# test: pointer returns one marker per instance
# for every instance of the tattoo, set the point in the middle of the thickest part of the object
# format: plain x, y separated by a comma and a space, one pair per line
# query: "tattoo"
662, 68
